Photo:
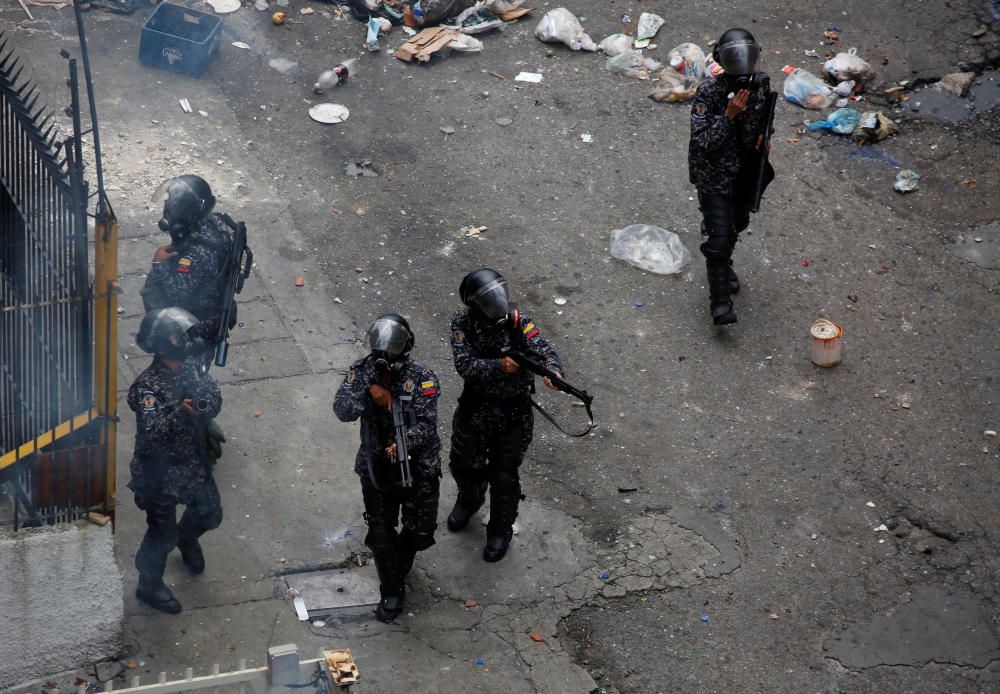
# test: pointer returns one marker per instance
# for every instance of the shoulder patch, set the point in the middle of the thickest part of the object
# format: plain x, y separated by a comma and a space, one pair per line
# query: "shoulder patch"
700, 108
184, 264
529, 331
351, 376
408, 385
428, 388
148, 401
459, 336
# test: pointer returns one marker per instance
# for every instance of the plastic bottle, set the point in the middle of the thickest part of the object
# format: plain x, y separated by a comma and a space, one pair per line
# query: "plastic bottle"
339, 74
679, 64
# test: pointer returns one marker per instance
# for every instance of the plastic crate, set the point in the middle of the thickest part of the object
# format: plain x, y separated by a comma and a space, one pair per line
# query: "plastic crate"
180, 39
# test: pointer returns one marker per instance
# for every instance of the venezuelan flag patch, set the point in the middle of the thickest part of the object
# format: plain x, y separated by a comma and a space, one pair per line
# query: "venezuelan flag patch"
428, 388
183, 265
529, 330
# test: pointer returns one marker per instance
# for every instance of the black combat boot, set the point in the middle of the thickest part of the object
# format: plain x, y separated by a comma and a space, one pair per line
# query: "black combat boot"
390, 578
718, 291
192, 555
471, 496
158, 596
496, 545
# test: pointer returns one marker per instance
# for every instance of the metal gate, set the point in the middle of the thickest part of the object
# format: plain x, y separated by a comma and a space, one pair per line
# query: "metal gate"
57, 383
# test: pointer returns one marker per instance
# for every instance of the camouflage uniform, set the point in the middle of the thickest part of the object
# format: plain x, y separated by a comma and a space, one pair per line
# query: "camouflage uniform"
193, 279
170, 465
417, 389
493, 424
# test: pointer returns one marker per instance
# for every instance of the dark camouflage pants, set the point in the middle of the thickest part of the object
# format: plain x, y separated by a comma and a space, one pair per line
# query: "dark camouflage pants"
417, 505
164, 533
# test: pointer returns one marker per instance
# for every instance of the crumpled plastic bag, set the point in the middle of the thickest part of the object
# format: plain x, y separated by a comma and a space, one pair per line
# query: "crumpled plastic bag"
561, 26
848, 66
632, 64
689, 59
673, 87
842, 121
466, 44
615, 44
874, 126
502, 6
433, 12
650, 248
907, 181
647, 27
806, 89
475, 20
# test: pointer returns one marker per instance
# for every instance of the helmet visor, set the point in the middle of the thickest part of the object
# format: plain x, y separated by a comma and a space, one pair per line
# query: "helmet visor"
493, 299
169, 332
739, 57
180, 201
388, 337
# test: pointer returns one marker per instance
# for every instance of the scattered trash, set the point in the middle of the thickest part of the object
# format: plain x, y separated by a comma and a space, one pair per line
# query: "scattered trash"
180, 39
329, 113
371, 39
471, 602
957, 83
360, 168
811, 53
428, 42
472, 231
831, 35
300, 608
306, 10
980, 32
319, 623
845, 88
687, 59
704, 618
627, 490
870, 504
561, 26
475, 20
559, 301
447, 130
639, 303
300, 282
805, 263
240, 44
989, 434
806, 89
587, 137
260, 5
504, 121
907, 181
536, 637
185, 105
528, 77
848, 66
673, 87
605, 576
633, 64
278, 18
615, 44
649, 24
842, 121
480, 661
874, 126
772, 616
282, 65
340, 73
827, 343
883, 528
224, 6
650, 248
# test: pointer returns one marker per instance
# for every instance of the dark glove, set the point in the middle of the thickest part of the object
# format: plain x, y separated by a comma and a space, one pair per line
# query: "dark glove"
214, 438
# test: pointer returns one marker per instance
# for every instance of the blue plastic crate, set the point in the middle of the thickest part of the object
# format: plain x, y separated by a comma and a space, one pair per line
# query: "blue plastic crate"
180, 39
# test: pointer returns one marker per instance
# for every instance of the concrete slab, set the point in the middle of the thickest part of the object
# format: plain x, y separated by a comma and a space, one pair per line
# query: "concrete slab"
325, 591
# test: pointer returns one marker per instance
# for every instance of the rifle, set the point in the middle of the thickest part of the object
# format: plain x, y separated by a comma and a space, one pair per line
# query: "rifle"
530, 362
402, 453
241, 261
761, 179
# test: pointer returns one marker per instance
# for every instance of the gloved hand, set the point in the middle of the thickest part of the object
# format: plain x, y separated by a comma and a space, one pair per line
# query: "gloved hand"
214, 438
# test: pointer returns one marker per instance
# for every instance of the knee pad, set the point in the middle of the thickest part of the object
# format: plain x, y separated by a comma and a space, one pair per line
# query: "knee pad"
717, 248
505, 482
466, 447
381, 536
416, 540
210, 520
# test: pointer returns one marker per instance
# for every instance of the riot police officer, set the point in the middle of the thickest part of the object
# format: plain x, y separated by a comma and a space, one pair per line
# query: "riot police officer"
385, 378
493, 424
189, 272
173, 401
727, 127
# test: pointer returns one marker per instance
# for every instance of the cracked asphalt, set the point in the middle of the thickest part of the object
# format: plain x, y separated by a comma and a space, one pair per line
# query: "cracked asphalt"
791, 529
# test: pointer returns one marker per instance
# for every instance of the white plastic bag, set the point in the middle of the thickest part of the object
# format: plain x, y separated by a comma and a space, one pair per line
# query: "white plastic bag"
615, 44
848, 66
632, 64
561, 26
466, 44
502, 6
807, 90
673, 87
687, 59
650, 248
649, 24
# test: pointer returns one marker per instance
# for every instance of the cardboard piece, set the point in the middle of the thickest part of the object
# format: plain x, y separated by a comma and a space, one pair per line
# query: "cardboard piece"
516, 13
425, 44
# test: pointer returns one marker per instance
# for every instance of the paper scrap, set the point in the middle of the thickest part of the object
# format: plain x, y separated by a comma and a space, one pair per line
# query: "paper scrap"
535, 77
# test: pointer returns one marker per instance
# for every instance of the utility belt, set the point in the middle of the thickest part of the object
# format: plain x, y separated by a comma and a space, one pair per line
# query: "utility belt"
471, 397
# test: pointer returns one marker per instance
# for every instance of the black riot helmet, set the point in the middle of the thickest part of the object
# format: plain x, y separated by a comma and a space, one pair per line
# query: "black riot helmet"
186, 201
737, 52
164, 332
485, 292
390, 340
